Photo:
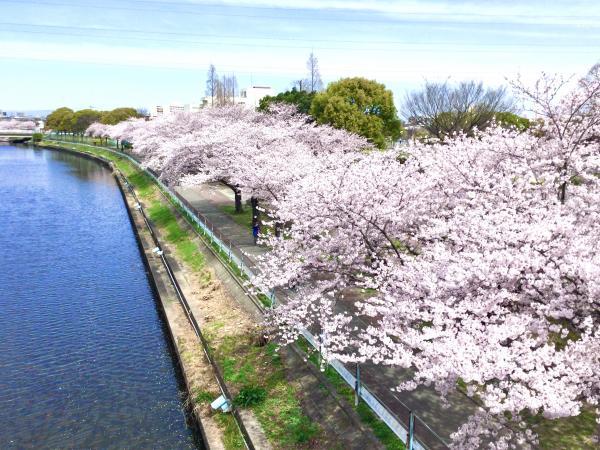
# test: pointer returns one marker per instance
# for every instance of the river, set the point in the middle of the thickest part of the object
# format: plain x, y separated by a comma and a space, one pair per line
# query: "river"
84, 355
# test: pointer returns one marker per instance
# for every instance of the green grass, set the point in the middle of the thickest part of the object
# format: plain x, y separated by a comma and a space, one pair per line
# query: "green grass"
566, 433
232, 439
244, 218
202, 396
250, 396
231, 371
248, 367
379, 428
162, 216
188, 251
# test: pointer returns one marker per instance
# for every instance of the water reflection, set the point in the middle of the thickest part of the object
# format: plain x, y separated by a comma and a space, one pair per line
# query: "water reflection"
84, 359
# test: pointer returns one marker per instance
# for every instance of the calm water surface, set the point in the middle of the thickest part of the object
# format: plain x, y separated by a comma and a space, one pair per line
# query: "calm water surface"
84, 356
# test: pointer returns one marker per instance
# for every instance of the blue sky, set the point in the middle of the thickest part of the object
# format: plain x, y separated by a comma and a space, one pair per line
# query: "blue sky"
108, 53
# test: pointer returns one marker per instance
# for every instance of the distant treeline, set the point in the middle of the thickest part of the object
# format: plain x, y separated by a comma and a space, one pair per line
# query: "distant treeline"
68, 121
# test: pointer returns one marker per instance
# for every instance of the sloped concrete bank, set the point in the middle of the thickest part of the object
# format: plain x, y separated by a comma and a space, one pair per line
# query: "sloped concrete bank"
197, 372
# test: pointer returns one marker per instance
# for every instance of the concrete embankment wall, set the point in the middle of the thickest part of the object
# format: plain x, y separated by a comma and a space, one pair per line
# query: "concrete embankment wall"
173, 313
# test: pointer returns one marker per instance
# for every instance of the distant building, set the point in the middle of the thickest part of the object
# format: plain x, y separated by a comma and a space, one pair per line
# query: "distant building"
165, 110
252, 96
249, 97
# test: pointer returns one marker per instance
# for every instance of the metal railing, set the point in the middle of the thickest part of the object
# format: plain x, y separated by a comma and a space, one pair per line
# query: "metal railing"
405, 424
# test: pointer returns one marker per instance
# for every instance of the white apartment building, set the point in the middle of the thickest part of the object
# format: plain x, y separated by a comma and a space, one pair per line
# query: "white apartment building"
252, 95
249, 96
165, 110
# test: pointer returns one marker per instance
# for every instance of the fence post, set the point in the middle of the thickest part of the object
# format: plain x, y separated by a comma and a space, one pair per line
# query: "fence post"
411, 431
357, 385
272, 297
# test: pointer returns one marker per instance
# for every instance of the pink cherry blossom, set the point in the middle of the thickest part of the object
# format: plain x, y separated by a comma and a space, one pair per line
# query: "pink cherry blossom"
476, 259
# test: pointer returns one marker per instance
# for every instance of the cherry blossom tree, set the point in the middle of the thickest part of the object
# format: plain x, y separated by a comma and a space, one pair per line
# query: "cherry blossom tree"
472, 261
13, 124
253, 152
476, 260
98, 130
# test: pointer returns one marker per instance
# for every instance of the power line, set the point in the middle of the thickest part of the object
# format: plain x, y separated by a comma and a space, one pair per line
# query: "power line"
241, 70
341, 41
408, 13
550, 49
295, 18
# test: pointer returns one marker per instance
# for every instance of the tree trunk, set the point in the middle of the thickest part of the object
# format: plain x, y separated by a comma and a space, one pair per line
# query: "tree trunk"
238, 200
255, 211
278, 228
238, 196
562, 193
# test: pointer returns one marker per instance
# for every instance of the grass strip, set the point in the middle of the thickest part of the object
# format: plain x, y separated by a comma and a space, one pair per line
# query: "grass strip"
243, 218
251, 367
379, 428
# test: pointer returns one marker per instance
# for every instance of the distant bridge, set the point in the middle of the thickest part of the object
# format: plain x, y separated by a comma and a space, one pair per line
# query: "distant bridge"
16, 136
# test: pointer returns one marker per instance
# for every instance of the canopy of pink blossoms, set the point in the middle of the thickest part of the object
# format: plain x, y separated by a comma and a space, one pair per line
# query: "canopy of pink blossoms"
13, 124
476, 260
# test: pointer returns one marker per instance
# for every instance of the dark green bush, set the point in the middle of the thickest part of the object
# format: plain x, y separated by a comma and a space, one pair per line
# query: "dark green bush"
37, 137
250, 396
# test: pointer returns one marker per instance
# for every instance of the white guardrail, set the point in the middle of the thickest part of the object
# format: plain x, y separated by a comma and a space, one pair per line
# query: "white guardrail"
370, 399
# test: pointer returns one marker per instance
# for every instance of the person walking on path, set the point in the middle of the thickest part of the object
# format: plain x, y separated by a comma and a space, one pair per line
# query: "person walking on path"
255, 231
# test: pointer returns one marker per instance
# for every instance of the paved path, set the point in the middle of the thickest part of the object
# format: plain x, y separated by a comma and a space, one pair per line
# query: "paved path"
342, 427
209, 200
380, 380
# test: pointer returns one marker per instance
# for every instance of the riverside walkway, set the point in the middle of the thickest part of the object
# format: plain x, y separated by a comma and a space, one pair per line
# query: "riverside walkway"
435, 421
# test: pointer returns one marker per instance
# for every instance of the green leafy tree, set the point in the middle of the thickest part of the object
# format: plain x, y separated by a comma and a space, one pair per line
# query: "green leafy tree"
82, 119
118, 115
512, 120
361, 106
60, 119
301, 99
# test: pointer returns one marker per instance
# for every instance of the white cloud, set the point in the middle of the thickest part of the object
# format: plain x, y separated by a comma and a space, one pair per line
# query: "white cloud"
581, 13
411, 68
146, 57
